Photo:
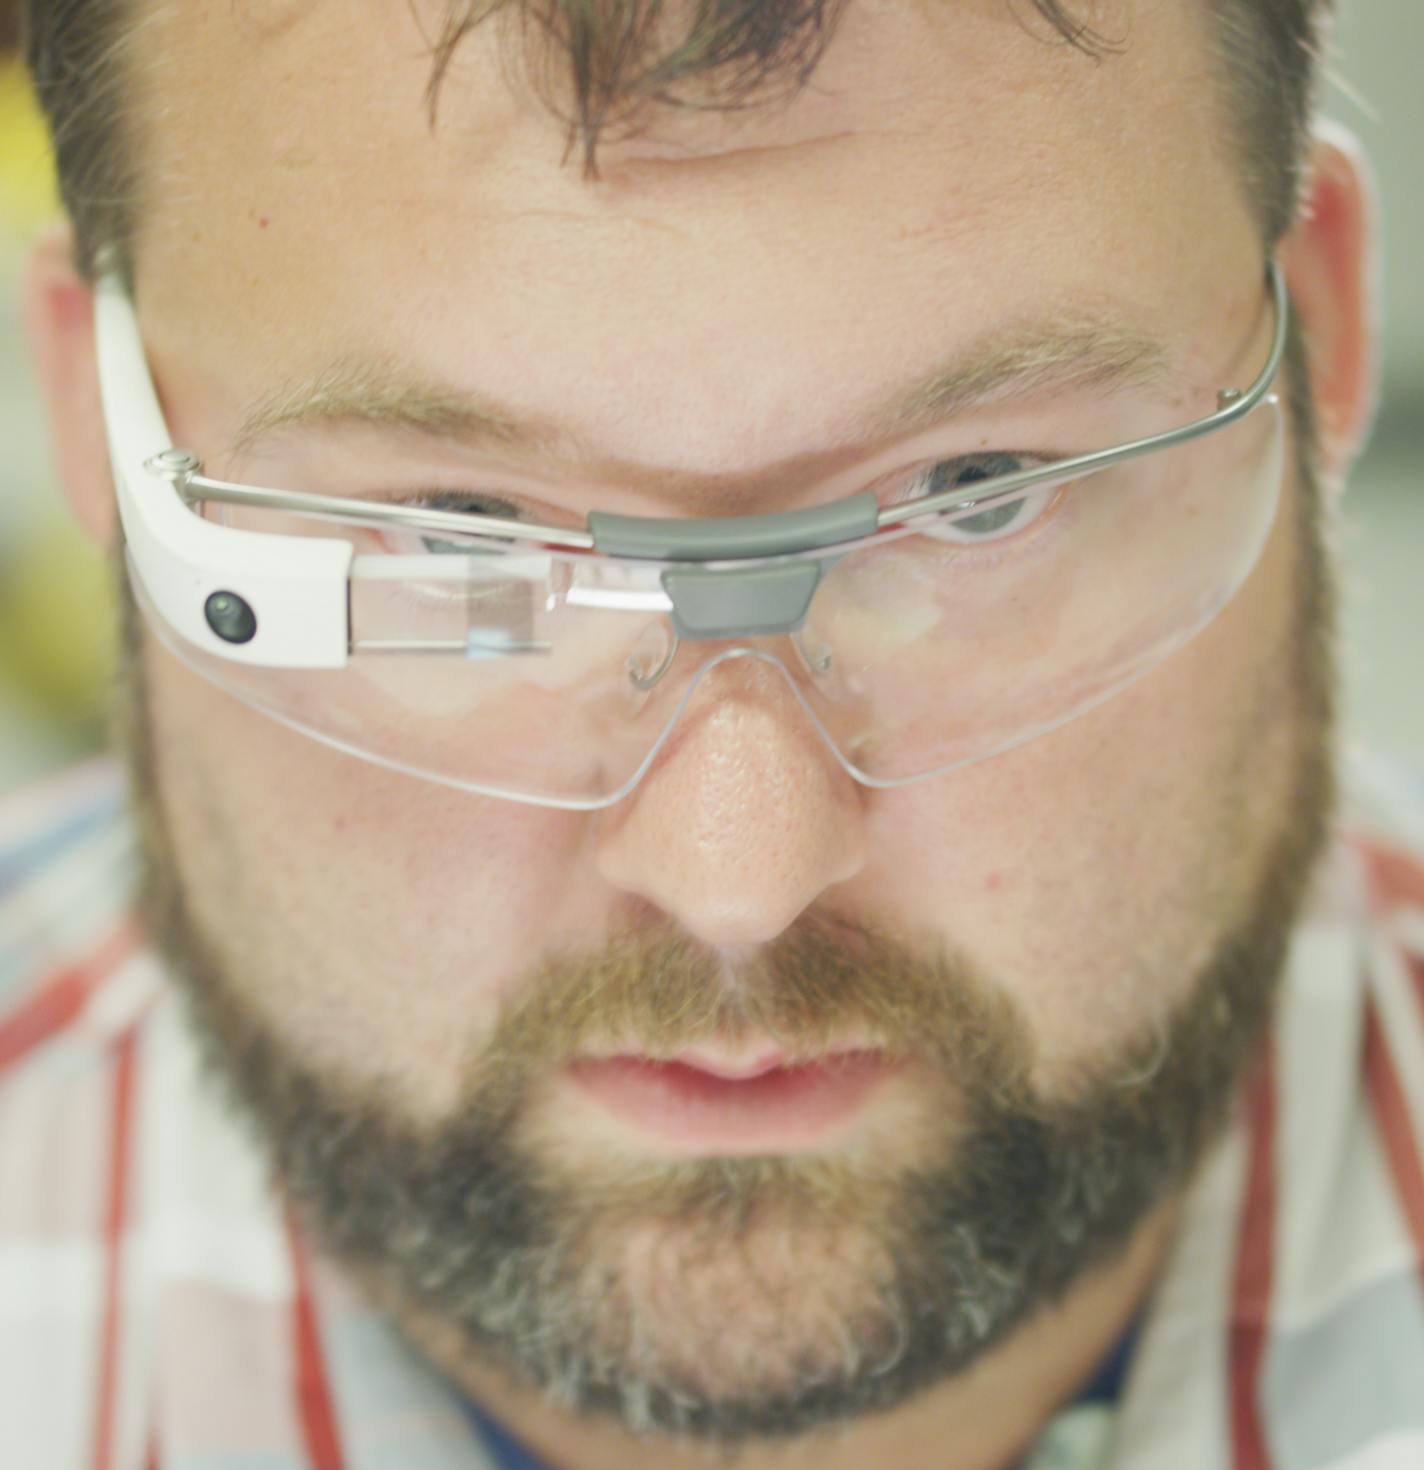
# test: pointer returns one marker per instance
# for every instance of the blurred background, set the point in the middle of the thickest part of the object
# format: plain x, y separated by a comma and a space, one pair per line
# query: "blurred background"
55, 625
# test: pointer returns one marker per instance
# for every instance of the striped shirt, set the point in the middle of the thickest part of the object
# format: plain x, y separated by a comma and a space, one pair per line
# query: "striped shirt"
159, 1309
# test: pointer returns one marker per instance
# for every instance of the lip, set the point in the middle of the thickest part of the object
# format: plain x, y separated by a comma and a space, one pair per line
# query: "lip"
685, 1109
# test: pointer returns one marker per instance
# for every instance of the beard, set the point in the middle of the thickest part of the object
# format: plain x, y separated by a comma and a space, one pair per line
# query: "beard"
727, 1299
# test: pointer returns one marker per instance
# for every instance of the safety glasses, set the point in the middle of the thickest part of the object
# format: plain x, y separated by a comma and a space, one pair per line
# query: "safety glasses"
550, 664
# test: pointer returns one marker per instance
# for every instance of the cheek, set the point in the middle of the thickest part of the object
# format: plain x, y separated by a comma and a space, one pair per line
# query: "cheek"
374, 920
1093, 871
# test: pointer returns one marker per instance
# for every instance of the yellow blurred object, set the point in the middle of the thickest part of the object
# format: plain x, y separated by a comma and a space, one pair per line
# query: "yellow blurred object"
56, 622
27, 187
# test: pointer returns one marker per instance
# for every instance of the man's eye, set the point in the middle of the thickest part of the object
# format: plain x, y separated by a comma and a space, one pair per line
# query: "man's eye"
461, 502
469, 504
966, 524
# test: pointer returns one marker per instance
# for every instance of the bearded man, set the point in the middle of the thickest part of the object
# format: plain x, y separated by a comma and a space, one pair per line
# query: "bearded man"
727, 699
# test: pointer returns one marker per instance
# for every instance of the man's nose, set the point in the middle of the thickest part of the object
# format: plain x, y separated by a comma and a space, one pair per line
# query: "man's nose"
742, 822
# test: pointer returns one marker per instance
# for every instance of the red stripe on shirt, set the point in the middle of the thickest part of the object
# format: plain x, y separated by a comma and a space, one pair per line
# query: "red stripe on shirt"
315, 1409
120, 1149
1415, 965
1396, 878
60, 1000
1251, 1289
1401, 1147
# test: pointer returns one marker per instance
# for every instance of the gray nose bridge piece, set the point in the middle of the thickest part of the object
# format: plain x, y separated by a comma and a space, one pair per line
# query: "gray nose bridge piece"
707, 603
766, 587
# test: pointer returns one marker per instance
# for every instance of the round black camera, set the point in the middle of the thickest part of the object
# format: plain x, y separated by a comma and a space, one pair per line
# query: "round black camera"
230, 617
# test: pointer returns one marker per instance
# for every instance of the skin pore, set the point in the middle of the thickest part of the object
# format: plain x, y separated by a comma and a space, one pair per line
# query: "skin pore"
1073, 944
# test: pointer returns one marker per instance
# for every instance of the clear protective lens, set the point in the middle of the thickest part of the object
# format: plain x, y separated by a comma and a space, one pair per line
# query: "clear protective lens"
963, 650
555, 677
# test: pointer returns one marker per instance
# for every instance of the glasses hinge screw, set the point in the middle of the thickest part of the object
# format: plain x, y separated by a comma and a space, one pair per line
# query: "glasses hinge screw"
174, 464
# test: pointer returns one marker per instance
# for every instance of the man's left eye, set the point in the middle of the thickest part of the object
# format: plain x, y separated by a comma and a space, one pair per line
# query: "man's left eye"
967, 524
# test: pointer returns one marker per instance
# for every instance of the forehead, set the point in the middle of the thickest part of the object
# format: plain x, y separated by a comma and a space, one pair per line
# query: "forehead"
947, 160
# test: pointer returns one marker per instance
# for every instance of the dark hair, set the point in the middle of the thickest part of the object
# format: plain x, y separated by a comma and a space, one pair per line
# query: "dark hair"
731, 51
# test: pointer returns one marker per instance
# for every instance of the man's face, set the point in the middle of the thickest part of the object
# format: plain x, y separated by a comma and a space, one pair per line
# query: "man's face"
1068, 947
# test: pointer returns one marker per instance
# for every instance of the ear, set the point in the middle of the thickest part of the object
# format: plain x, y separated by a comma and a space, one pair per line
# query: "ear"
1329, 260
58, 314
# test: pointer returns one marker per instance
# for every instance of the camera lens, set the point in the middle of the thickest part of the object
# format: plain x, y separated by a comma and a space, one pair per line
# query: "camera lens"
230, 617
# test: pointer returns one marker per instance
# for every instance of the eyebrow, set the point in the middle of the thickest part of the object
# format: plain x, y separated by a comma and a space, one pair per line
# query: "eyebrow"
379, 392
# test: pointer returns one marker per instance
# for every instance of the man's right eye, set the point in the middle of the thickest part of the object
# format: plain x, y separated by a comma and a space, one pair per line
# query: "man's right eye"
462, 502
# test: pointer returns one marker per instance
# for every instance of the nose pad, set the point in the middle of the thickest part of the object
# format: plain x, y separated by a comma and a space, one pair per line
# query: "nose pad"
664, 677
816, 656
744, 817
656, 648
654, 651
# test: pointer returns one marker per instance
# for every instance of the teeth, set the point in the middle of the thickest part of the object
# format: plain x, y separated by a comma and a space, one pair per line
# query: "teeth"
731, 1071
731, 1066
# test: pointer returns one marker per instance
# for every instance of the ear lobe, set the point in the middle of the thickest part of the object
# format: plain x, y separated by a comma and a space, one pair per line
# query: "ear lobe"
58, 315
1328, 258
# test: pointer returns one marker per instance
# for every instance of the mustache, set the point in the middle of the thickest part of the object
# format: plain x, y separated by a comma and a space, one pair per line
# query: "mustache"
824, 984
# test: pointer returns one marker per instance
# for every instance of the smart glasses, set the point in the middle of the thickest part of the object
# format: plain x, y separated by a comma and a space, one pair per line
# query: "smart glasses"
999, 594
